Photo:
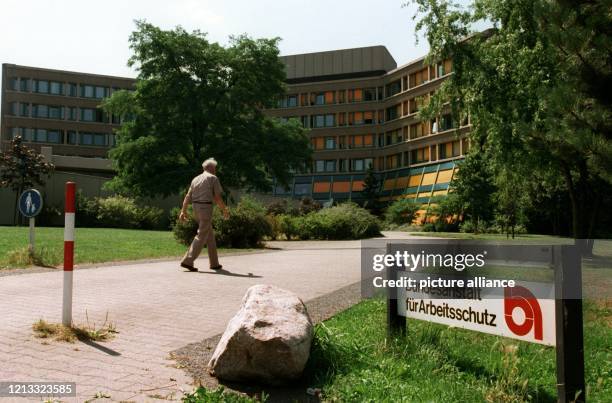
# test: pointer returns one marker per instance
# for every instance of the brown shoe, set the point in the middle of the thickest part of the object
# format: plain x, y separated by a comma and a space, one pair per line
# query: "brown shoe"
218, 267
189, 267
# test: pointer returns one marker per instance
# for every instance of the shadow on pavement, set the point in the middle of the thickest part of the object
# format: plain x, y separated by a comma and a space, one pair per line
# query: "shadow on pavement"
101, 347
229, 273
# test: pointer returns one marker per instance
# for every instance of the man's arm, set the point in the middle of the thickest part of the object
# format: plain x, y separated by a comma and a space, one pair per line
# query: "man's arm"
221, 205
186, 202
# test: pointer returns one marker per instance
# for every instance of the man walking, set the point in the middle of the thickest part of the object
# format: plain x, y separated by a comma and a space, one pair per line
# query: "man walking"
204, 190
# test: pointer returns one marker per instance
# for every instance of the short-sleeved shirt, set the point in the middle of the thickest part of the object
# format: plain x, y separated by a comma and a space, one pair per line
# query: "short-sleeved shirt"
204, 187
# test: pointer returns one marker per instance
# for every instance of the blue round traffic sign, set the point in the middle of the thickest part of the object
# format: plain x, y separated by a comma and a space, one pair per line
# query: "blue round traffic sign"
30, 203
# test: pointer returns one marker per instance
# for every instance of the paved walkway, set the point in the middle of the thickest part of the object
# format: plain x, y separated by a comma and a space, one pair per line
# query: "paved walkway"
157, 308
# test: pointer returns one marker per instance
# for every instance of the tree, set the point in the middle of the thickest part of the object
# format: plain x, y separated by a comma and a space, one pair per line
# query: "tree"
534, 87
196, 99
22, 168
474, 188
512, 199
371, 189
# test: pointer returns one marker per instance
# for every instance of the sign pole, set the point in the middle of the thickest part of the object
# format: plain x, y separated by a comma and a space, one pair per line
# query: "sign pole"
568, 311
32, 235
396, 323
69, 209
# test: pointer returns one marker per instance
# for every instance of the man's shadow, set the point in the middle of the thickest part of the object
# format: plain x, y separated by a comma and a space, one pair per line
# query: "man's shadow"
228, 273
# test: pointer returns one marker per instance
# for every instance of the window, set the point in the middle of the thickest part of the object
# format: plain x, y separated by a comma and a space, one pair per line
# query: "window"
24, 84
358, 165
320, 166
393, 112
292, 101
87, 91
56, 112
420, 155
330, 120
330, 166
318, 121
72, 137
101, 92
47, 136
320, 99
41, 86
369, 94
446, 122
71, 113
72, 89
330, 143
56, 88
394, 88
92, 139
24, 109
301, 189
14, 108
341, 96
88, 115
14, 83
40, 111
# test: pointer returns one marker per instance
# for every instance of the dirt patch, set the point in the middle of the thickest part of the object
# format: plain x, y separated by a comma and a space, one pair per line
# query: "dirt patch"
194, 357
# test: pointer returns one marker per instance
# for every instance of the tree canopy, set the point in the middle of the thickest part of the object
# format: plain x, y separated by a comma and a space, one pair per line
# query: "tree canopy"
21, 168
534, 87
195, 99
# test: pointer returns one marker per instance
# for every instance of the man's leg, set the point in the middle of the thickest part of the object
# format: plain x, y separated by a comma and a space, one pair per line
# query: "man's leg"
211, 244
204, 229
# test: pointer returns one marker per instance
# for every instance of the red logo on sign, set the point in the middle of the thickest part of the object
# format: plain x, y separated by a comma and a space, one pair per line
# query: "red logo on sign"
520, 297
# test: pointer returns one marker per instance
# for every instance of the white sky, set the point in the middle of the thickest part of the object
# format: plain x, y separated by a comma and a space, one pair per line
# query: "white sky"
92, 36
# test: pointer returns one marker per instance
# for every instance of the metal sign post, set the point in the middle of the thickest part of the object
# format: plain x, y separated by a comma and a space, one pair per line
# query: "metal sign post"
30, 205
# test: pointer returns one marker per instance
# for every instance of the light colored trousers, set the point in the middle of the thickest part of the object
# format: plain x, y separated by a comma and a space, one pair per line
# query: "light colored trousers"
205, 236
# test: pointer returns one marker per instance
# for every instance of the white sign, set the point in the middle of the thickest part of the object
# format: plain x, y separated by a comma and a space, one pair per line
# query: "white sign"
518, 314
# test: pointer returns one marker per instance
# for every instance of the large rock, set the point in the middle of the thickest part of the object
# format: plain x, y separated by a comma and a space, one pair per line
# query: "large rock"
268, 340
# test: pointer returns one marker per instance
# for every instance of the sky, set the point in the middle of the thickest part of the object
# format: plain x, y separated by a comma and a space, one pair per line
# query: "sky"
92, 36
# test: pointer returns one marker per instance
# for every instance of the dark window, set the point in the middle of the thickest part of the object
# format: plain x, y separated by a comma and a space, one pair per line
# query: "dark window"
41, 86
56, 88
72, 89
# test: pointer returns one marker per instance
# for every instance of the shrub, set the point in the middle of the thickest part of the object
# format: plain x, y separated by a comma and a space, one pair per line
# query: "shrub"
308, 205
281, 207
345, 221
402, 211
116, 212
246, 227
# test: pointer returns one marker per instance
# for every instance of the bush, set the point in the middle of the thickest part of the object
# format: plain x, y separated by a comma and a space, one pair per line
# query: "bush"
281, 207
402, 211
345, 221
308, 205
116, 212
246, 227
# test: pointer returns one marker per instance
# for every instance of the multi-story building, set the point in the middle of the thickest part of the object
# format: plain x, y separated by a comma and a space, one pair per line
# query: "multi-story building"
360, 109
56, 112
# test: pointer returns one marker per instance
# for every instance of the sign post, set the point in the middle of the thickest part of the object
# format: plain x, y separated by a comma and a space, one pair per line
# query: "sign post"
69, 209
30, 205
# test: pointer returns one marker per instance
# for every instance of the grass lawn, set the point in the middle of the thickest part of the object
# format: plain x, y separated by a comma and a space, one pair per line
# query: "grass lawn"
92, 245
352, 360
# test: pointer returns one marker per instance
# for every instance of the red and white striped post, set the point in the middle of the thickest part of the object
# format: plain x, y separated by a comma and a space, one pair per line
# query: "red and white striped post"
69, 209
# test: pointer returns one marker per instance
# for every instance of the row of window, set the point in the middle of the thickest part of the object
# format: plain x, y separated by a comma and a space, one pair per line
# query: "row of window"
62, 113
420, 155
60, 88
343, 142
343, 165
56, 136
352, 95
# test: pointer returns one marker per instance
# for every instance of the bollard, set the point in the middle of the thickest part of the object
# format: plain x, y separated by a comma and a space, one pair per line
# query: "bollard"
69, 209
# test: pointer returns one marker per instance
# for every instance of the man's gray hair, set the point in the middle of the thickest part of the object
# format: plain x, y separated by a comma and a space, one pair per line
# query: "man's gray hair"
211, 162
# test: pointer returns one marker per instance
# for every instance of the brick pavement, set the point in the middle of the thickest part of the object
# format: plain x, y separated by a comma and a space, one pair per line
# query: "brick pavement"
156, 308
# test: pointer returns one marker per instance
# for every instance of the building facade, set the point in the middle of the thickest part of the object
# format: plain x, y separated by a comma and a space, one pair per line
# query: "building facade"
56, 112
362, 111
360, 108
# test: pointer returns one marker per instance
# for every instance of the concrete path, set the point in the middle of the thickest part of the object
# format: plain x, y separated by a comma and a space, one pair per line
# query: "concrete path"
157, 308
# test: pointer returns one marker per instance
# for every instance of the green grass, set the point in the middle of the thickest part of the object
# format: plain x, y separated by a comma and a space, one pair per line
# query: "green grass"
92, 245
220, 395
352, 360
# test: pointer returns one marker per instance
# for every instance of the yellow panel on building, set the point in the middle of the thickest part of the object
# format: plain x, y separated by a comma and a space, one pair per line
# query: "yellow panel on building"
415, 180
358, 186
401, 182
445, 176
429, 179
440, 193
389, 184
424, 194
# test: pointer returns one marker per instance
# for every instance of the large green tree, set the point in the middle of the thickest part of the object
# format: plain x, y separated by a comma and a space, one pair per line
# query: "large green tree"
536, 87
196, 99
21, 167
